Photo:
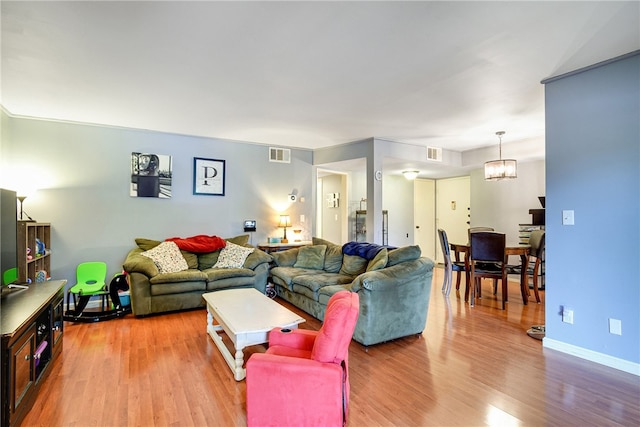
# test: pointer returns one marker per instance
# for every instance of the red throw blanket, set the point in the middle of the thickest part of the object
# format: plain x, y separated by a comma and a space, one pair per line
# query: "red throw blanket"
199, 244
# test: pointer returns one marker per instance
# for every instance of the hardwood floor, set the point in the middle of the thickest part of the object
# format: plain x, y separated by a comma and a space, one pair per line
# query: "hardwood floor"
471, 366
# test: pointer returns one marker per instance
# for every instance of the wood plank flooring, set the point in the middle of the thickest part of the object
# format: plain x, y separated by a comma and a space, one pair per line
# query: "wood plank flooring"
470, 367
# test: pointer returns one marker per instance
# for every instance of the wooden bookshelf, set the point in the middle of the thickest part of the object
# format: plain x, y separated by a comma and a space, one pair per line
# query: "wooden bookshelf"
28, 235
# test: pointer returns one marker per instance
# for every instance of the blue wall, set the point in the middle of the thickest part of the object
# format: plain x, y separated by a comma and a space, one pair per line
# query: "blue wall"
83, 175
593, 168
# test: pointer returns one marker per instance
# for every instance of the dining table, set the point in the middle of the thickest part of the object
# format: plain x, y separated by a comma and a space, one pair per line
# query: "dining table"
517, 250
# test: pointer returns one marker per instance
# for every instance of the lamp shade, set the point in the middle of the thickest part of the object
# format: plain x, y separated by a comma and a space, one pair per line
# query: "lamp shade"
496, 170
285, 221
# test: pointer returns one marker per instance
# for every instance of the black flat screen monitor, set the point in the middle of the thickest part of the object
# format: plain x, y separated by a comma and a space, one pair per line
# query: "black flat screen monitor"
8, 231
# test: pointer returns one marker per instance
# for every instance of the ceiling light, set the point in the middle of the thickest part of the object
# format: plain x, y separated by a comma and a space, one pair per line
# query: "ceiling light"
410, 175
496, 170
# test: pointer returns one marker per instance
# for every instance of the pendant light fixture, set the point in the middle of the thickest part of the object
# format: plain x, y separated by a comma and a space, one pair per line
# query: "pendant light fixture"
496, 170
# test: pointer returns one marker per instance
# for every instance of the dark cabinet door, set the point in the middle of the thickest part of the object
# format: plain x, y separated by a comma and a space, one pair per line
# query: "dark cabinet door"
22, 370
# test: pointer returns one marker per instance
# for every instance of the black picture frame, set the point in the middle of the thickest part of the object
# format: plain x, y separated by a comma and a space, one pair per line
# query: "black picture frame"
209, 176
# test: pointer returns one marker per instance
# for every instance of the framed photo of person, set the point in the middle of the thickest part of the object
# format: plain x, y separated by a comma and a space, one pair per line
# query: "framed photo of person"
208, 176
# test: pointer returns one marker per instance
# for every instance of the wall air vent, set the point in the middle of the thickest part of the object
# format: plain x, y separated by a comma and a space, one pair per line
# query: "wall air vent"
279, 155
434, 154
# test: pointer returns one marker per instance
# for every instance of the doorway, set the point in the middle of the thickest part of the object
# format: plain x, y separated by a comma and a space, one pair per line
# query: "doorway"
424, 216
453, 209
331, 206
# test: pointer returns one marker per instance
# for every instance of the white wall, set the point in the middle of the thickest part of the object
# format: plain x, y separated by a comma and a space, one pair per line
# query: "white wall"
505, 204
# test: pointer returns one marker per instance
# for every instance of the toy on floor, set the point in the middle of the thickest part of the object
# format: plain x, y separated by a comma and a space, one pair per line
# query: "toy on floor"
118, 309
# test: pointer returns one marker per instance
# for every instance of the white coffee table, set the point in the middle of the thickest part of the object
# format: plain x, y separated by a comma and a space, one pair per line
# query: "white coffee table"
246, 316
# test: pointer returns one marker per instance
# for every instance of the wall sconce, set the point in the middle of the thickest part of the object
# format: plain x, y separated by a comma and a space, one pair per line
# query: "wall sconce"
285, 222
496, 170
410, 175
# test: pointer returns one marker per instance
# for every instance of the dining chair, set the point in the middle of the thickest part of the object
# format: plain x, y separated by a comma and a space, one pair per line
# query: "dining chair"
488, 259
536, 259
476, 229
449, 265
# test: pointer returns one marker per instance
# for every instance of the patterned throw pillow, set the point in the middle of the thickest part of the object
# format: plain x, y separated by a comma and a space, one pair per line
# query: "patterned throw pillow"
232, 256
167, 257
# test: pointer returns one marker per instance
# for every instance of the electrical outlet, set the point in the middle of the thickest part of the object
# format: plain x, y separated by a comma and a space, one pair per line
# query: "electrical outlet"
615, 326
567, 316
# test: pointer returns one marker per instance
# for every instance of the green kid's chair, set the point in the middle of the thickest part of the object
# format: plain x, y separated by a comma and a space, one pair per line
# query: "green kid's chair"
9, 276
90, 281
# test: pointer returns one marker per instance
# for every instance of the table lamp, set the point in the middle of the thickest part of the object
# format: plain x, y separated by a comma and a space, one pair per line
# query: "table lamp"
285, 222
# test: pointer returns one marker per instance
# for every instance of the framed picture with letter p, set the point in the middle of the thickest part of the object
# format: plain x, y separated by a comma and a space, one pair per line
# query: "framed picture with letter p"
208, 176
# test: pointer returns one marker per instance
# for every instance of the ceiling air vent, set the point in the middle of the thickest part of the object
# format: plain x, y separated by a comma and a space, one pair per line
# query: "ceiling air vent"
279, 155
434, 153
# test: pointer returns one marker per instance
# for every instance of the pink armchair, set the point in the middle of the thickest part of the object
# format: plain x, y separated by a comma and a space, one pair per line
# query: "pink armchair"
303, 378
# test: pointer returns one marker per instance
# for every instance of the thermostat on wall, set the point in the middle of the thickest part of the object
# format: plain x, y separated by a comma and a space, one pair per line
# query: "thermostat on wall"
250, 225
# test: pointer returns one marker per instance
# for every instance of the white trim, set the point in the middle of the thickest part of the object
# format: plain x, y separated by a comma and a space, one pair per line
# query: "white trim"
593, 356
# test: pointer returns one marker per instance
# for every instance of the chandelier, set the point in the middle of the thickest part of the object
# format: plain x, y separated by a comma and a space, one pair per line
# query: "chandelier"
496, 170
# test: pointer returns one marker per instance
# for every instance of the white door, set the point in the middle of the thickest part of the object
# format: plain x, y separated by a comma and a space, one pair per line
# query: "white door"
424, 216
453, 207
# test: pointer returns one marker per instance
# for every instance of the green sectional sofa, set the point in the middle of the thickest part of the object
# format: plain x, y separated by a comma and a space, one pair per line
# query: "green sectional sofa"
394, 285
153, 291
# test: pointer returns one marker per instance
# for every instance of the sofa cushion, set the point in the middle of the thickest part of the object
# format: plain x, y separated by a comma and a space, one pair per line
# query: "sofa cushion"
380, 260
225, 273
167, 257
333, 255
405, 253
309, 285
232, 256
208, 260
177, 288
286, 274
325, 294
239, 240
231, 283
190, 275
177, 283
146, 244
191, 258
311, 257
353, 265
286, 258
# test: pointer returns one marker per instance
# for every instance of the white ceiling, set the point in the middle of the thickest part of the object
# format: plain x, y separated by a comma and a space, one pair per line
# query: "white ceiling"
306, 74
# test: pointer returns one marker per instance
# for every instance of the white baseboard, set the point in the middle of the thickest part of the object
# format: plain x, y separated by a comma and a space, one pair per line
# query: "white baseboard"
593, 356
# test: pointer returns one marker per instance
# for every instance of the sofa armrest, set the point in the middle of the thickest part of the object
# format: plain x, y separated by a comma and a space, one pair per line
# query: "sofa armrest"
256, 258
301, 339
136, 263
392, 277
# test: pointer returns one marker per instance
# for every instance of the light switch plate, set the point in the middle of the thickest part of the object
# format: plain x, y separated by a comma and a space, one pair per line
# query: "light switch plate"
567, 217
615, 326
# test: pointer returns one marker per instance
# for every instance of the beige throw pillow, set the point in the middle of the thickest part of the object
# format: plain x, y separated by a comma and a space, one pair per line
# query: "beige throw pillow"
167, 257
232, 256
